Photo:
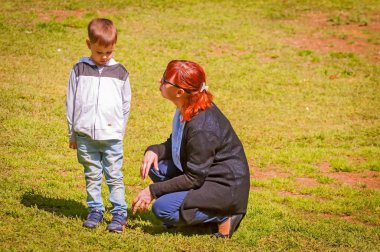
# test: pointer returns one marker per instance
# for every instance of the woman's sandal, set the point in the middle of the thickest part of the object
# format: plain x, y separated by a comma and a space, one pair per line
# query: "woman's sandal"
232, 223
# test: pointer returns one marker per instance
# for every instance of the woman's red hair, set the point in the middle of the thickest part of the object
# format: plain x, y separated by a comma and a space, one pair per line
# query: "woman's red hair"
190, 76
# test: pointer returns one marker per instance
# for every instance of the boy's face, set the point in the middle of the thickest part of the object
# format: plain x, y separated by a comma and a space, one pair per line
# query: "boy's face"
100, 54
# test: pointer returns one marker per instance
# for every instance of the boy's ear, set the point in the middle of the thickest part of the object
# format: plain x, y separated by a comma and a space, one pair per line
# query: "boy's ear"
88, 43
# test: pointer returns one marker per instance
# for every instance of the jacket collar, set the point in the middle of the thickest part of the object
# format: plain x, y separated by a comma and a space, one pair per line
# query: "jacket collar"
88, 60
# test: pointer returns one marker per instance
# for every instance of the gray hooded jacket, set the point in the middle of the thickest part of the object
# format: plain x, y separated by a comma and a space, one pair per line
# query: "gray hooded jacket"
98, 100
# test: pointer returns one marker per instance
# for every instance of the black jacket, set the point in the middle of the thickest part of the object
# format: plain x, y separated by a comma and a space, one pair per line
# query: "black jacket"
215, 167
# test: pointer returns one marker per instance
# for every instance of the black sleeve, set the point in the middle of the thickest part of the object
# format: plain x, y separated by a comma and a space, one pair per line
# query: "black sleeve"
200, 150
163, 150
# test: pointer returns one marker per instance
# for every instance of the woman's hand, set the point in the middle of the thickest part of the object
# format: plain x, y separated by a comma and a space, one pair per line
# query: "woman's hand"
149, 158
142, 201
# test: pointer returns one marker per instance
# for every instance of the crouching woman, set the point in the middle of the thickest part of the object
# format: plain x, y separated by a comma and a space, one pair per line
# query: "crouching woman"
200, 173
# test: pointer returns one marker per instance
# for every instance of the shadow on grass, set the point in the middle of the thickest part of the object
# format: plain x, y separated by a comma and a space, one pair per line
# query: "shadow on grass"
149, 224
146, 221
63, 207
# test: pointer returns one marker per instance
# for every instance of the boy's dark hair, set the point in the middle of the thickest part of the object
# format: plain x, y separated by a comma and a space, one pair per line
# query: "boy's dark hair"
102, 31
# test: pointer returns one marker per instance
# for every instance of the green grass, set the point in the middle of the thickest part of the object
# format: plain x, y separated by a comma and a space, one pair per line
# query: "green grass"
288, 112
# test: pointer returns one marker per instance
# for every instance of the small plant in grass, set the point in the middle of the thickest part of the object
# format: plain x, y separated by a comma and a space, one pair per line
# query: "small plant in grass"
374, 39
337, 20
304, 169
347, 73
362, 185
343, 19
358, 18
75, 22
52, 26
315, 59
373, 166
341, 165
342, 55
304, 53
343, 36
324, 179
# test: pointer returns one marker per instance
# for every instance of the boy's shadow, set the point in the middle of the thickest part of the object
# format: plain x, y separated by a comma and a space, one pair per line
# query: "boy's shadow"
63, 207
71, 208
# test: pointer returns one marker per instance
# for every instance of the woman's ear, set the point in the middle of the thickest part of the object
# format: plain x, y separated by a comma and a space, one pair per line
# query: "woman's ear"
180, 92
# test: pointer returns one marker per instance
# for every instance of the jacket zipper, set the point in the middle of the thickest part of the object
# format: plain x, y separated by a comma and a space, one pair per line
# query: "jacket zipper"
97, 104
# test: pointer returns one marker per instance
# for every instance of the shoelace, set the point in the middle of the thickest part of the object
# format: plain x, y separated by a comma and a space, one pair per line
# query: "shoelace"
95, 216
118, 218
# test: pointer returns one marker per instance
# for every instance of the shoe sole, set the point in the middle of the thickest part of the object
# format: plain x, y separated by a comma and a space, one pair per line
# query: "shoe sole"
91, 227
118, 231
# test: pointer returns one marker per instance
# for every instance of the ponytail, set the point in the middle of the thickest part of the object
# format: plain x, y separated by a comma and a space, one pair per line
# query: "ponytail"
196, 102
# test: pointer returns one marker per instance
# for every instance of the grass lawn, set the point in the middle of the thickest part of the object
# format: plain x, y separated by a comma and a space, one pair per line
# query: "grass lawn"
299, 81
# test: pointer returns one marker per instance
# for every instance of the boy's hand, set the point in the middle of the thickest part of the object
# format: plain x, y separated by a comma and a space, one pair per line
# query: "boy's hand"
73, 145
149, 158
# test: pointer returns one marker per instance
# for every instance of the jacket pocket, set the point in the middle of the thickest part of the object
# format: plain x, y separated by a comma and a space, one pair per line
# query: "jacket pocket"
84, 116
110, 118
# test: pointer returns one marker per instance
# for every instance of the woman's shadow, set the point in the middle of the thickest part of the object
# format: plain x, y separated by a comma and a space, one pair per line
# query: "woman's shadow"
149, 224
62, 207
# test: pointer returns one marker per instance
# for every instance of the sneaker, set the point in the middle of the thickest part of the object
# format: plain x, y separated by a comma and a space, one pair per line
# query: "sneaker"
117, 224
93, 219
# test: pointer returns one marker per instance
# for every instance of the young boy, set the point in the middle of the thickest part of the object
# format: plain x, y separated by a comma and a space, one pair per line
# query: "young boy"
97, 109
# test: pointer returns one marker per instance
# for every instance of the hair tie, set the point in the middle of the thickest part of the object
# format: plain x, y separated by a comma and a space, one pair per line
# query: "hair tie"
204, 87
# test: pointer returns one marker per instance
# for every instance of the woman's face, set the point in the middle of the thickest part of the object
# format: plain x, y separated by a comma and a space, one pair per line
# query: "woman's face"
172, 91
168, 89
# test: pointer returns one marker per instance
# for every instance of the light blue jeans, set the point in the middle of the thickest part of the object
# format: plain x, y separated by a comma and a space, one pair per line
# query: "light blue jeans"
167, 207
98, 157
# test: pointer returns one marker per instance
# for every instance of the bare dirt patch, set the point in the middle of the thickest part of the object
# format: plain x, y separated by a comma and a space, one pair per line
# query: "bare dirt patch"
308, 182
273, 172
347, 218
60, 15
364, 179
218, 49
255, 189
324, 166
320, 34
270, 172
294, 194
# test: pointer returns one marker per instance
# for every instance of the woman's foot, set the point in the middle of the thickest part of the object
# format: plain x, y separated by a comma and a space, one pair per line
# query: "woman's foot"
224, 228
229, 226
